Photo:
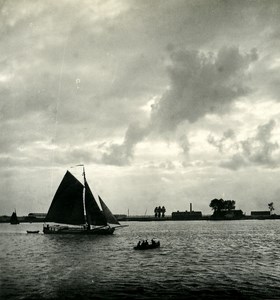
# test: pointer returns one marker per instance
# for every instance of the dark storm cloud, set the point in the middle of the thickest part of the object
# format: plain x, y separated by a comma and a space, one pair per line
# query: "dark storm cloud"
202, 84
72, 65
119, 60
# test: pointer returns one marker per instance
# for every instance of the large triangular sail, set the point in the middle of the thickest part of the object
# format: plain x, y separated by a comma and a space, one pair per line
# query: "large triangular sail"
74, 204
108, 214
67, 205
93, 213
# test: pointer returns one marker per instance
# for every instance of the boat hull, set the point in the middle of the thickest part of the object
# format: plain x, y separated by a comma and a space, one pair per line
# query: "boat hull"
79, 231
147, 247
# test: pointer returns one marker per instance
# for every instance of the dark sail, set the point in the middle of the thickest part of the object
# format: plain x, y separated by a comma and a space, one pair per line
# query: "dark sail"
108, 214
67, 205
93, 212
14, 219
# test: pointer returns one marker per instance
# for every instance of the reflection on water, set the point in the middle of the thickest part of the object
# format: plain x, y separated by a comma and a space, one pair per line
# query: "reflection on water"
197, 260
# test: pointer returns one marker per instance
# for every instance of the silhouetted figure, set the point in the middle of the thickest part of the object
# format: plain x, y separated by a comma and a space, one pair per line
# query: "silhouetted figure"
159, 211
163, 210
270, 206
153, 242
156, 212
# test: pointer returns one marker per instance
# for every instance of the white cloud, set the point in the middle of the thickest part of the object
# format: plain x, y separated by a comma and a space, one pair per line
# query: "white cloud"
121, 154
256, 150
220, 143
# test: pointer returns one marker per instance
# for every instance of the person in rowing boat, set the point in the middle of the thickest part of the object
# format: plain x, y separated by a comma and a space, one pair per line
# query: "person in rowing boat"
144, 244
153, 242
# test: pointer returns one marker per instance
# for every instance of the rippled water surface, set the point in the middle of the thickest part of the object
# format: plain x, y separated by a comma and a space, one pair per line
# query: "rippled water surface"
197, 260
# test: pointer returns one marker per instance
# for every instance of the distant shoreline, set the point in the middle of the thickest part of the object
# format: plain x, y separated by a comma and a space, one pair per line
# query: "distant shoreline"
24, 219
203, 218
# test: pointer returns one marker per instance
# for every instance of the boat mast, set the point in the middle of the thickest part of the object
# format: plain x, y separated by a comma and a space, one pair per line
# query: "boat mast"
84, 195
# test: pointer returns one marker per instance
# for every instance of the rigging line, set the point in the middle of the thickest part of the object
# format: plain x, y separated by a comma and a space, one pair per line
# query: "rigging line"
57, 106
58, 99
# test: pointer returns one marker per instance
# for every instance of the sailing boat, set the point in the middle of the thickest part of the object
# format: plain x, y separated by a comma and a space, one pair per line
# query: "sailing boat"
14, 219
74, 204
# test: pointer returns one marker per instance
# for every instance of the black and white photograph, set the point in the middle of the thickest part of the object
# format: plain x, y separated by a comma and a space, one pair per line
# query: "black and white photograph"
139, 149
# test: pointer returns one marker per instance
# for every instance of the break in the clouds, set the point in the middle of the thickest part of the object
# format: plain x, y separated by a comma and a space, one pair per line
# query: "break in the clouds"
258, 150
220, 143
159, 99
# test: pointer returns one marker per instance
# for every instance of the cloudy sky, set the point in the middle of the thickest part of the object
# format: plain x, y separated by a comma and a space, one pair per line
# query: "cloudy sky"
165, 102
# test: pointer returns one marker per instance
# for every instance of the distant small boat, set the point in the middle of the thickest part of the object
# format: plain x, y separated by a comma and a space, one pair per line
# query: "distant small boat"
144, 246
32, 231
14, 219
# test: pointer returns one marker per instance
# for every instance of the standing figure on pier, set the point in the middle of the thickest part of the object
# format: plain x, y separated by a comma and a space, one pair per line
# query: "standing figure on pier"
159, 211
156, 211
163, 210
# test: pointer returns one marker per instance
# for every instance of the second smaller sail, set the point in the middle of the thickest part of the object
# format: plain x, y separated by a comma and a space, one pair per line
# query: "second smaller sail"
111, 219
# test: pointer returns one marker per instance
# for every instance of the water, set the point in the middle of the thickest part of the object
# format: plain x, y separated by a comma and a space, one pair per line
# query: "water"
197, 260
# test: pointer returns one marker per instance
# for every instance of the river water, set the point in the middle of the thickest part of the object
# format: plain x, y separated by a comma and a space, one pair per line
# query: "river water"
196, 260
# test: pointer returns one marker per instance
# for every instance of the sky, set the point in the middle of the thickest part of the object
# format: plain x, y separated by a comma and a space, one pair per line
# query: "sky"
164, 102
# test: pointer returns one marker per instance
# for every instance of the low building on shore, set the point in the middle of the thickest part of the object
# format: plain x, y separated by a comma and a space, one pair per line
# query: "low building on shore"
187, 215
260, 213
35, 217
263, 215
